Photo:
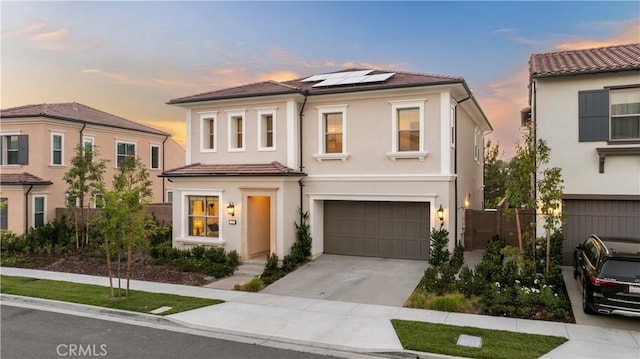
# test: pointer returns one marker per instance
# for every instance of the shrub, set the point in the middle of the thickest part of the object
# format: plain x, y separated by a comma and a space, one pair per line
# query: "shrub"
449, 303
197, 252
233, 259
254, 285
215, 255
439, 254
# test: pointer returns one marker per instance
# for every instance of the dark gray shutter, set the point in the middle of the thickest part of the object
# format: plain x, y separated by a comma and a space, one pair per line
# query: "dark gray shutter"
593, 115
23, 149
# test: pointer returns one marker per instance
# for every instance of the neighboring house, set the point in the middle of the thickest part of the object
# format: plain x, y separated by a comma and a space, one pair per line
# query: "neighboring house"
586, 105
37, 143
370, 155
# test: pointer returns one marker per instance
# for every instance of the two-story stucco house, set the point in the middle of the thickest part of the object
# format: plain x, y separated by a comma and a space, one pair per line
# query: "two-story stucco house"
37, 143
370, 155
586, 105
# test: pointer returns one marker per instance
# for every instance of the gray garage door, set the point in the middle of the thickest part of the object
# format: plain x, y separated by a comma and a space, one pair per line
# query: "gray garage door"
377, 229
612, 218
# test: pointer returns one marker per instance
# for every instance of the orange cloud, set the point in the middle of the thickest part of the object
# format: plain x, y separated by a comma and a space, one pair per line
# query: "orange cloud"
36, 35
627, 33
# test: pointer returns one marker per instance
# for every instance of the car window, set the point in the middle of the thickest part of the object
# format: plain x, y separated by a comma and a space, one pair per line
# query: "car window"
591, 251
619, 268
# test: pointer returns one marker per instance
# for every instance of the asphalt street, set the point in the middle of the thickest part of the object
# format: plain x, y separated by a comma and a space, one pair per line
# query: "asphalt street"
29, 333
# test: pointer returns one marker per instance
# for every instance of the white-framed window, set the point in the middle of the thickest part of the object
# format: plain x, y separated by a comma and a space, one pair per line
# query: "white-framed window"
98, 200
72, 201
478, 145
452, 114
57, 149
236, 130
332, 133
203, 216
155, 160
407, 129
625, 114
266, 129
4, 213
208, 131
124, 149
169, 196
39, 210
89, 143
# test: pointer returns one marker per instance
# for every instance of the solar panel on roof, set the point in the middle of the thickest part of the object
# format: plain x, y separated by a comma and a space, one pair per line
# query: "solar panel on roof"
336, 75
347, 78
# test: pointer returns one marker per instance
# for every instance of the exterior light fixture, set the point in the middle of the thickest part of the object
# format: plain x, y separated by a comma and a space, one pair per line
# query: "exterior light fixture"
440, 213
231, 209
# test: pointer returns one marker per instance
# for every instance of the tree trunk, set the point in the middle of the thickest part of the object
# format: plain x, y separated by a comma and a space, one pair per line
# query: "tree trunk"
546, 269
86, 234
75, 221
109, 268
129, 258
519, 230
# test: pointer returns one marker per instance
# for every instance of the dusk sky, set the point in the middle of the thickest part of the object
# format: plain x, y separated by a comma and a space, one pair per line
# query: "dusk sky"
130, 58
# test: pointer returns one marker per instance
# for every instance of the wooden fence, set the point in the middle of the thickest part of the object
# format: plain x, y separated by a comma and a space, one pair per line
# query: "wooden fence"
162, 212
481, 225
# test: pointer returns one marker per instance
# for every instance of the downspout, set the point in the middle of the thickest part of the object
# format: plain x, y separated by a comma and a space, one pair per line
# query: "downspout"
84, 124
26, 209
455, 164
163, 168
300, 160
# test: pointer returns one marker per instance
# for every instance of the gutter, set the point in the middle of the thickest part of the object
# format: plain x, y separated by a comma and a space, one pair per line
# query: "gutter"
163, 167
26, 208
300, 184
455, 162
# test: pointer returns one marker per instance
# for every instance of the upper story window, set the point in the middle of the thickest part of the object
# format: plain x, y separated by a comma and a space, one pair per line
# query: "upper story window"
155, 157
14, 149
332, 130
625, 114
39, 210
124, 150
89, 144
407, 127
452, 119
236, 130
266, 129
208, 131
478, 145
57, 149
169, 198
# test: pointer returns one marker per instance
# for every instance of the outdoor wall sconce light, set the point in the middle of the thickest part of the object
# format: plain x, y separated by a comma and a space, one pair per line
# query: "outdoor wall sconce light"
440, 213
231, 209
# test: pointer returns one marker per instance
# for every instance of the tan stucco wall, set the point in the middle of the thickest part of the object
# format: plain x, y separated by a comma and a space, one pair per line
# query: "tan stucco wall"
39, 131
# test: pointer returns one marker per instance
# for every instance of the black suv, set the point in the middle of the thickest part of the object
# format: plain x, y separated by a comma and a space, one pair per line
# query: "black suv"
608, 270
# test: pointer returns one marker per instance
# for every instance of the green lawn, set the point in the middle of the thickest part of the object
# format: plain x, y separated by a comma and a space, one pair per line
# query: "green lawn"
138, 301
496, 344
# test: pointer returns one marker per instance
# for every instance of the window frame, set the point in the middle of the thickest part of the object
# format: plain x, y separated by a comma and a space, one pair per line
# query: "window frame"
186, 230
159, 166
125, 142
205, 118
33, 210
4, 148
453, 115
233, 130
395, 152
322, 154
262, 131
53, 135
169, 196
612, 93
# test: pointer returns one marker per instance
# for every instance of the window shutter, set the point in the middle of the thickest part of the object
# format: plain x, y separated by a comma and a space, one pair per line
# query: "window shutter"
593, 115
23, 149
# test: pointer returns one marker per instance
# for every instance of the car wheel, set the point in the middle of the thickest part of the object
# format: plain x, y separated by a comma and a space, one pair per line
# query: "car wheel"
585, 304
575, 271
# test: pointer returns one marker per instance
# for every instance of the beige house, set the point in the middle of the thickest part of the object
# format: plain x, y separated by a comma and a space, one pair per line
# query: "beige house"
586, 106
370, 155
37, 143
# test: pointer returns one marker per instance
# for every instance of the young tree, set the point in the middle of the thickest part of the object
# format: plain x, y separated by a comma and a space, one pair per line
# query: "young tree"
550, 193
495, 175
85, 177
125, 213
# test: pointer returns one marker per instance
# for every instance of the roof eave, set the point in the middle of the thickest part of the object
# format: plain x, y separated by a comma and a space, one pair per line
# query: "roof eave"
589, 72
206, 175
181, 101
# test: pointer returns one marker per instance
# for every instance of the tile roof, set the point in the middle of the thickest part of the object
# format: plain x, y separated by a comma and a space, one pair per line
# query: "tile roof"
202, 170
602, 59
76, 112
22, 178
398, 80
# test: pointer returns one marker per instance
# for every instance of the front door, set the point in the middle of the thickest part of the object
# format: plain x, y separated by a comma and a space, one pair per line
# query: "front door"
258, 226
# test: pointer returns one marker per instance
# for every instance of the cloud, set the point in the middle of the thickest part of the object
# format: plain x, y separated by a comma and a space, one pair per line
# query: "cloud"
36, 35
626, 32
514, 36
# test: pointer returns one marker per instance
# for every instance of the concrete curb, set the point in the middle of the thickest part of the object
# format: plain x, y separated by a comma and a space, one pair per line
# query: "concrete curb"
160, 322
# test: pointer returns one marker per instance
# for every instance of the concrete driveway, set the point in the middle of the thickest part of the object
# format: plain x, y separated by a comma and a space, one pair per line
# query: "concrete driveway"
607, 321
364, 280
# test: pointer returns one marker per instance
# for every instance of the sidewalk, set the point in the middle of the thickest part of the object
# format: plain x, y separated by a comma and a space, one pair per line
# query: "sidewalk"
352, 327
